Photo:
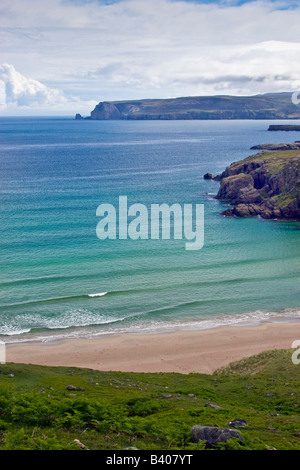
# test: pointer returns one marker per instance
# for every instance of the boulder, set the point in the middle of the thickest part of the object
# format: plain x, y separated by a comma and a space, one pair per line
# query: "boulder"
71, 387
212, 435
212, 405
237, 423
208, 176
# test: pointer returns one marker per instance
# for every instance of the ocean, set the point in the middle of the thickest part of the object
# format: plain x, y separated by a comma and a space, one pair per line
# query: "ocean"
59, 280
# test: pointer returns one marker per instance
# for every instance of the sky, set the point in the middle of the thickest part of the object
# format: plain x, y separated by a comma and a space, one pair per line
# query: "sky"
61, 57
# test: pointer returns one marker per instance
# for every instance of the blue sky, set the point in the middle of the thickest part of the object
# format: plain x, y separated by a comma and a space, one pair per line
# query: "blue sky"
284, 4
65, 56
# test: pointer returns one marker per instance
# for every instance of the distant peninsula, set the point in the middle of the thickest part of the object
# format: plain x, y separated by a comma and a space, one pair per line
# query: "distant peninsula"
284, 127
266, 184
267, 106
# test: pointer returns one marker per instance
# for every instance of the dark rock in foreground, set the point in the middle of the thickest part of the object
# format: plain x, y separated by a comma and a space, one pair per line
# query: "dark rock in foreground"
71, 387
208, 176
212, 435
238, 423
266, 184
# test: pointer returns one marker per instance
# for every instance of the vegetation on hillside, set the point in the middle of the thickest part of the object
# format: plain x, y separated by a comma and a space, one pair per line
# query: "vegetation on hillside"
49, 408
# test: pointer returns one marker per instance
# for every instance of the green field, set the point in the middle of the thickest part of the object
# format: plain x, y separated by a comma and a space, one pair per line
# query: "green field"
114, 410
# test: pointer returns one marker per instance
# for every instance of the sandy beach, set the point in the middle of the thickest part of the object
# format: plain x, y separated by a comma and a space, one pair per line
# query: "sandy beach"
201, 351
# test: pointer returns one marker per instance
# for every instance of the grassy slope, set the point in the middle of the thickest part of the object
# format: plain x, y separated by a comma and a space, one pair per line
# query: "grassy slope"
275, 159
116, 410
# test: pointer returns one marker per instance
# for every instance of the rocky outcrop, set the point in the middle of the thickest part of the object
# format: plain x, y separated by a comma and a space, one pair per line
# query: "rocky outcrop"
266, 184
105, 111
289, 127
239, 189
293, 146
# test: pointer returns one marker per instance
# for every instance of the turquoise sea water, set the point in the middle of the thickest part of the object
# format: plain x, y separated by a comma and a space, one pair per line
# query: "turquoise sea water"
53, 175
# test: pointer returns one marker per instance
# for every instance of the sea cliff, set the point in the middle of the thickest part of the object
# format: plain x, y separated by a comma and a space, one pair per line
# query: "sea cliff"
267, 106
266, 184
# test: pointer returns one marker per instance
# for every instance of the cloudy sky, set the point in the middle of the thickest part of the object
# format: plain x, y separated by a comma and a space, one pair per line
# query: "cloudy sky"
64, 56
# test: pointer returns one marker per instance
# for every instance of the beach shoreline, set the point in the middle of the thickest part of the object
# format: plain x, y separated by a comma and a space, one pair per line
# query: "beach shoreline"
181, 351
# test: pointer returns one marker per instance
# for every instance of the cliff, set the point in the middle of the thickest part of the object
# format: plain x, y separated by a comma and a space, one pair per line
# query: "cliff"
265, 184
268, 106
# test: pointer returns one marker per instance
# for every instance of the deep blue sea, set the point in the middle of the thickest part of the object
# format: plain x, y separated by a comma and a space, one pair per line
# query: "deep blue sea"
58, 280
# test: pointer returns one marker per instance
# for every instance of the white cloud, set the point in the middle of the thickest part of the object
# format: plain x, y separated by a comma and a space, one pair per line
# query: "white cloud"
147, 48
20, 92
23, 91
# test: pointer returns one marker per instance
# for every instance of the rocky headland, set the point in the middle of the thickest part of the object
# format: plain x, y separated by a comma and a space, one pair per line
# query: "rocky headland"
266, 184
292, 146
267, 106
284, 127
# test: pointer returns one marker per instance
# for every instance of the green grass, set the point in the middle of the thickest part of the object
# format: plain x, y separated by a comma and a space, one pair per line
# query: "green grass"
284, 199
275, 160
240, 176
149, 411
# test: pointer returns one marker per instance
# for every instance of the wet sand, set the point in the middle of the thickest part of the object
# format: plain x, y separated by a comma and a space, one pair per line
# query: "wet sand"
201, 351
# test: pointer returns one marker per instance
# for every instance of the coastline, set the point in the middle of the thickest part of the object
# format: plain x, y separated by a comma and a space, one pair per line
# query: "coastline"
181, 351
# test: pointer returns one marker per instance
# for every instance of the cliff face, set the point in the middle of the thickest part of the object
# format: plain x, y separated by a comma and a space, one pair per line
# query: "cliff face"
105, 111
268, 106
266, 184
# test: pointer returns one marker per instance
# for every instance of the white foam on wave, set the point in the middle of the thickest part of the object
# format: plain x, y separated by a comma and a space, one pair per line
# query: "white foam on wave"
97, 295
85, 327
235, 320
